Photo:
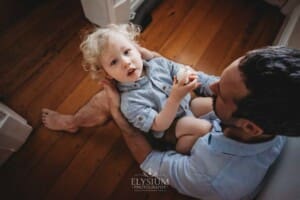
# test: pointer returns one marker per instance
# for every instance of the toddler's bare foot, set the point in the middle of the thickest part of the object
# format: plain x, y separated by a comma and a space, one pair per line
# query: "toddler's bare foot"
58, 122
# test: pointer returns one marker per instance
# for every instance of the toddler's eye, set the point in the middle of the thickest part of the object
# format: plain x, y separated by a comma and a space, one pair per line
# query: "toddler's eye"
113, 62
127, 51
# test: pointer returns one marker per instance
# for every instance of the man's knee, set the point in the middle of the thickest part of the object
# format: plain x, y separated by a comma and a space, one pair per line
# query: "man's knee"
100, 100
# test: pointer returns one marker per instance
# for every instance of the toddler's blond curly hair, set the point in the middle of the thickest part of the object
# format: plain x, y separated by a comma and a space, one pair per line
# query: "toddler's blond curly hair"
94, 44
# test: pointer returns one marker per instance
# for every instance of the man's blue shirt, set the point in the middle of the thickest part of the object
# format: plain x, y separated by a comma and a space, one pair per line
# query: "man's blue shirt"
218, 167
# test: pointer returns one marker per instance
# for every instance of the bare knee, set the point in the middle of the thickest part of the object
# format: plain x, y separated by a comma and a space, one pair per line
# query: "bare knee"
185, 144
205, 125
201, 105
192, 126
183, 125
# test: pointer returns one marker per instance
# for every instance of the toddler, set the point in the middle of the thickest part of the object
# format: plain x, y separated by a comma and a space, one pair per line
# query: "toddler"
151, 98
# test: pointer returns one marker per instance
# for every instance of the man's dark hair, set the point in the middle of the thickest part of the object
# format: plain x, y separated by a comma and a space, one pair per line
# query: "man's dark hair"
272, 75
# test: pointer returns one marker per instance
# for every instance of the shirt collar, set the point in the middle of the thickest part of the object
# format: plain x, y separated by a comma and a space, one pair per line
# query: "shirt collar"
124, 87
226, 145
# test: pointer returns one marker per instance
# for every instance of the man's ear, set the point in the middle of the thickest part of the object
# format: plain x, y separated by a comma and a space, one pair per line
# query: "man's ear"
249, 127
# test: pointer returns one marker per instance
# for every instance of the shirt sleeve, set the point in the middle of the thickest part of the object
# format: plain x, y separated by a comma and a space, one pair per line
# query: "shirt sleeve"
205, 80
171, 65
178, 171
140, 116
175, 67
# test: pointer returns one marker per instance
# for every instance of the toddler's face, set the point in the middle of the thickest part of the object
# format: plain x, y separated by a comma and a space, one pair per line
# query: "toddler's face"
121, 60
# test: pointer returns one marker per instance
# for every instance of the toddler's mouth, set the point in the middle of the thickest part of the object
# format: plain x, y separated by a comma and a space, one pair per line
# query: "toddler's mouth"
131, 71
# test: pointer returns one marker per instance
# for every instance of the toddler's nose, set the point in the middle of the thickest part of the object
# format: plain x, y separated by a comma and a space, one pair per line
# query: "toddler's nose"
126, 62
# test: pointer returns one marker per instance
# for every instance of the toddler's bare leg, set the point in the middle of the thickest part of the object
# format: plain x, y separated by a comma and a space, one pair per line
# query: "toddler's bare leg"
95, 112
185, 144
201, 106
188, 129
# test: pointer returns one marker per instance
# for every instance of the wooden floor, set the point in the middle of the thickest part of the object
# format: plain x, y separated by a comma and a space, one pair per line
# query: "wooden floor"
40, 66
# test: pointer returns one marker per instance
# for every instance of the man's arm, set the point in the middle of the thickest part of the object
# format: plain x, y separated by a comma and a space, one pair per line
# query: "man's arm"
205, 80
136, 142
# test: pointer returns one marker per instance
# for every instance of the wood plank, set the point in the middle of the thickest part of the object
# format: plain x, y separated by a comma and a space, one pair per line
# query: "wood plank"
54, 67
42, 140
84, 165
109, 174
206, 31
154, 38
124, 189
52, 164
157, 15
180, 37
56, 92
268, 34
62, 157
257, 26
12, 33
12, 10
21, 57
226, 36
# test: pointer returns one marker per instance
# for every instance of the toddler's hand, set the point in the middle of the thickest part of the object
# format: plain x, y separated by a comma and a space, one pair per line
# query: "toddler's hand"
180, 89
185, 73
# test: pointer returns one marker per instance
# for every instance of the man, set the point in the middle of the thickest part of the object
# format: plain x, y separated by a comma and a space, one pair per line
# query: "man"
256, 101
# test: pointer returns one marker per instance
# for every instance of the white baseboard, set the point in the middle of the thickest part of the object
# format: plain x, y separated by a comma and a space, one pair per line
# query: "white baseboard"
289, 34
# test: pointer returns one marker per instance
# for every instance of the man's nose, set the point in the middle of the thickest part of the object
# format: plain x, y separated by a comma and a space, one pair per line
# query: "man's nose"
213, 87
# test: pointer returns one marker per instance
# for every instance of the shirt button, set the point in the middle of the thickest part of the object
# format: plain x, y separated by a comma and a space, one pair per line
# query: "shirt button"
164, 87
140, 118
186, 107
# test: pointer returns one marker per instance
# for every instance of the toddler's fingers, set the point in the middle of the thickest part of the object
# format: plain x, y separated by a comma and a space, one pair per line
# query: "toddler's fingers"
192, 77
193, 84
181, 81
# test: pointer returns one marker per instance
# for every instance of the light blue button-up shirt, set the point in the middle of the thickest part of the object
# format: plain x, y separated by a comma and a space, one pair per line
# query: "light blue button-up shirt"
143, 99
217, 168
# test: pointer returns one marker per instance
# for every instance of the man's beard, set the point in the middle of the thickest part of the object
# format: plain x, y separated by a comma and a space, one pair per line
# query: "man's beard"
214, 98
222, 123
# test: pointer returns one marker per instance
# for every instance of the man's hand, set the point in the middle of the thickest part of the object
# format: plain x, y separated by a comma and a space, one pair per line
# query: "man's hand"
113, 95
147, 54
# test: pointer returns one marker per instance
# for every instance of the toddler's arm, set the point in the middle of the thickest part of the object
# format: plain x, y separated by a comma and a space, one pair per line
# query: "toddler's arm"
165, 117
